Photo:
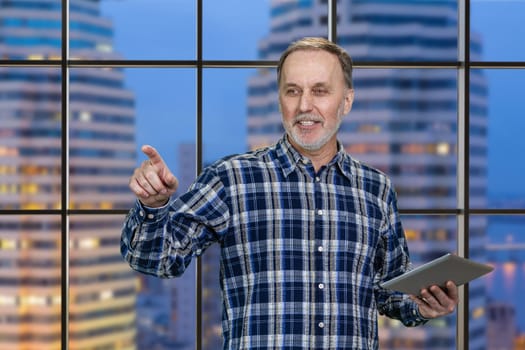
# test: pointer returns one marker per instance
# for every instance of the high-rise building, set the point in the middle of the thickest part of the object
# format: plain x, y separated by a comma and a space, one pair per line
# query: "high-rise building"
403, 122
501, 330
102, 288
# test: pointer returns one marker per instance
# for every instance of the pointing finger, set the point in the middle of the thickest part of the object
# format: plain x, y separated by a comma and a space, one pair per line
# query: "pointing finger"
153, 155
161, 169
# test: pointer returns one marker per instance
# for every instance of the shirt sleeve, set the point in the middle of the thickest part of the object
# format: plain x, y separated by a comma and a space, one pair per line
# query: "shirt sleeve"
163, 241
393, 259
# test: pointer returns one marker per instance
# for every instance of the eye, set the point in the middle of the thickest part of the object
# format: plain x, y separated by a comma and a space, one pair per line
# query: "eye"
319, 91
292, 91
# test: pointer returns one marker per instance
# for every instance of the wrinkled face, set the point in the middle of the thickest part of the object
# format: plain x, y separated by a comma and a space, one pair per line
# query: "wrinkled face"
313, 99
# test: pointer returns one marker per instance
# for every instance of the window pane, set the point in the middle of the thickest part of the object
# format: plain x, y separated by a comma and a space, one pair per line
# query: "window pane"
133, 29
404, 122
224, 133
30, 30
115, 307
264, 122
428, 237
113, 113
103, 289
30, 131
30, 287
505, 306
406, 30
232, 28
497, 25
496, 144
225, 109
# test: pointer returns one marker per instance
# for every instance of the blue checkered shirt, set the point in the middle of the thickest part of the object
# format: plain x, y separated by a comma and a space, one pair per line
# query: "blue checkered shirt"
302, 252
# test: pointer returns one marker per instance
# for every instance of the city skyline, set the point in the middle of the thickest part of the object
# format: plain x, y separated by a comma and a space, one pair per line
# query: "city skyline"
114, 111
505, 85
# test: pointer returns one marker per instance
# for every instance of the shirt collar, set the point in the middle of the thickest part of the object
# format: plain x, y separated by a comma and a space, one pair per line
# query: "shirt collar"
289, 157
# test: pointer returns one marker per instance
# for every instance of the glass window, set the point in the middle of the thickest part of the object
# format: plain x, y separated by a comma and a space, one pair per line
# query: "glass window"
225, 98
496, 141
30, 282
31, 30
30, 132
223, 21
113, 113
404, 122
495, 25
409, 30
134, 78
504, 307
224, 105
133, 29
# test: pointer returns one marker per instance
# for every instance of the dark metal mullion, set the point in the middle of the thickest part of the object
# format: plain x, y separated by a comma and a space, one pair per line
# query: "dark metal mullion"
332, 20
251, 64
463, 337
466, 171
64, 162
199, 160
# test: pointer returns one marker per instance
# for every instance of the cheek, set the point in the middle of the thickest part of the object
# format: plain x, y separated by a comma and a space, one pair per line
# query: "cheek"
287, 109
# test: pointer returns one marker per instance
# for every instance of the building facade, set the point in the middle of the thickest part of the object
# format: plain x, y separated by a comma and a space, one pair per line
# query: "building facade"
101, 128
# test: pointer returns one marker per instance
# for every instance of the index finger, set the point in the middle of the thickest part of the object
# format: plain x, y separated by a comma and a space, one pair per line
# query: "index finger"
153, 155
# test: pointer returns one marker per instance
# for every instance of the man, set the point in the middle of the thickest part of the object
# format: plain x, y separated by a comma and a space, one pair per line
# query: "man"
307, 233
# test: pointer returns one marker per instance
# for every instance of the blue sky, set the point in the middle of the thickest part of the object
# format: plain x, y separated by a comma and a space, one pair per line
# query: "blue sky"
500, 23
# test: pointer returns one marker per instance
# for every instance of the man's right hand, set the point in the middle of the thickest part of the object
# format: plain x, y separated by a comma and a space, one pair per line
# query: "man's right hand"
153, 183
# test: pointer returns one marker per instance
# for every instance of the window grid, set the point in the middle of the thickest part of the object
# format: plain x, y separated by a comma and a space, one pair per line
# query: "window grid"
463, 211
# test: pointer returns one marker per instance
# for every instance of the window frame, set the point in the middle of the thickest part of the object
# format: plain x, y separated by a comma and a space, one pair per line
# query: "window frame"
463, 211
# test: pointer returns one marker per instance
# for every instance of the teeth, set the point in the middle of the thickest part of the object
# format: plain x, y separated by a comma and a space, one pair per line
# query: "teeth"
307, 122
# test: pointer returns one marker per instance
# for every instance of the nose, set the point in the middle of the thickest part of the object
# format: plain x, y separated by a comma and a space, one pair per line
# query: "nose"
305, 103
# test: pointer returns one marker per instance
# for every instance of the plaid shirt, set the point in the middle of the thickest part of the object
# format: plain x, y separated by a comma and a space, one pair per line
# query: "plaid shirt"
302, 252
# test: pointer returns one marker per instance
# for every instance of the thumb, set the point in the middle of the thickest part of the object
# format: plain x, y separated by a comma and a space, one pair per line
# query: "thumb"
170, 180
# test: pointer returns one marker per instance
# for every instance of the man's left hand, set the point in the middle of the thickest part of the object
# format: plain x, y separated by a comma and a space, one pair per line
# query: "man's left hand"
436, 301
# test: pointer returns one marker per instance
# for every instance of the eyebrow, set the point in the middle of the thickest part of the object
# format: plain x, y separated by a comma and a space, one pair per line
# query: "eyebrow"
319, 84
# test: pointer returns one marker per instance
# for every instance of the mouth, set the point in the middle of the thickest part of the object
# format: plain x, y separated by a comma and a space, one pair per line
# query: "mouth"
307, 121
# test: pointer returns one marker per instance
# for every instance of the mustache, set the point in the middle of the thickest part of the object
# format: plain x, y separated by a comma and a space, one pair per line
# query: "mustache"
307, 116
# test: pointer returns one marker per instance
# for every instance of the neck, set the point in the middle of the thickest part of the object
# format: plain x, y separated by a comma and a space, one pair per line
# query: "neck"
320, 157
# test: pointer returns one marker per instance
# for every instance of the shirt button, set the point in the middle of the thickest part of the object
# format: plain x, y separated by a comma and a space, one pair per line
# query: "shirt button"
320, 249
319, 212
151, 216
141, 213
317, 179
321, 285
321, 324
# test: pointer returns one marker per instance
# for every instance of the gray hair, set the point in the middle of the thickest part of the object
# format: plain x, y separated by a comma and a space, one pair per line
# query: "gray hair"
318, 43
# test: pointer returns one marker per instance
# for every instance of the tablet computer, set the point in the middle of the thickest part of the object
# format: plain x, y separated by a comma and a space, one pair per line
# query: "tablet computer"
448, 267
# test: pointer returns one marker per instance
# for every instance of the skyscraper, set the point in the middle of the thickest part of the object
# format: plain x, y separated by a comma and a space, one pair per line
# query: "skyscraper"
403, 121
101, 157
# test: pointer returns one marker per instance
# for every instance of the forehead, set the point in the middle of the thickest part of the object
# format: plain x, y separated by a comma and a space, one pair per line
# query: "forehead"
312, 66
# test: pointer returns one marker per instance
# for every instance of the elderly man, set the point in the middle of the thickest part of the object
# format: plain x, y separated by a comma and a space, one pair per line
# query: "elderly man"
307, 232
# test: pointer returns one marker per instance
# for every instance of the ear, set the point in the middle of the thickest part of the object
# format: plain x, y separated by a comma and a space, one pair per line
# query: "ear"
349, 100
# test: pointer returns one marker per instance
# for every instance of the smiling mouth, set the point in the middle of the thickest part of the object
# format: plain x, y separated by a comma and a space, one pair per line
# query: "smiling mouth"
307, 122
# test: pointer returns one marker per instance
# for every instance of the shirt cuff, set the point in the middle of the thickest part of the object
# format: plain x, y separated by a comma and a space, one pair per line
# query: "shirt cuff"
149, 214
418, 319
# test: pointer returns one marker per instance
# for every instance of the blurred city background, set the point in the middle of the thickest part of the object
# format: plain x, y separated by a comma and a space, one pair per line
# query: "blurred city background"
407, 120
